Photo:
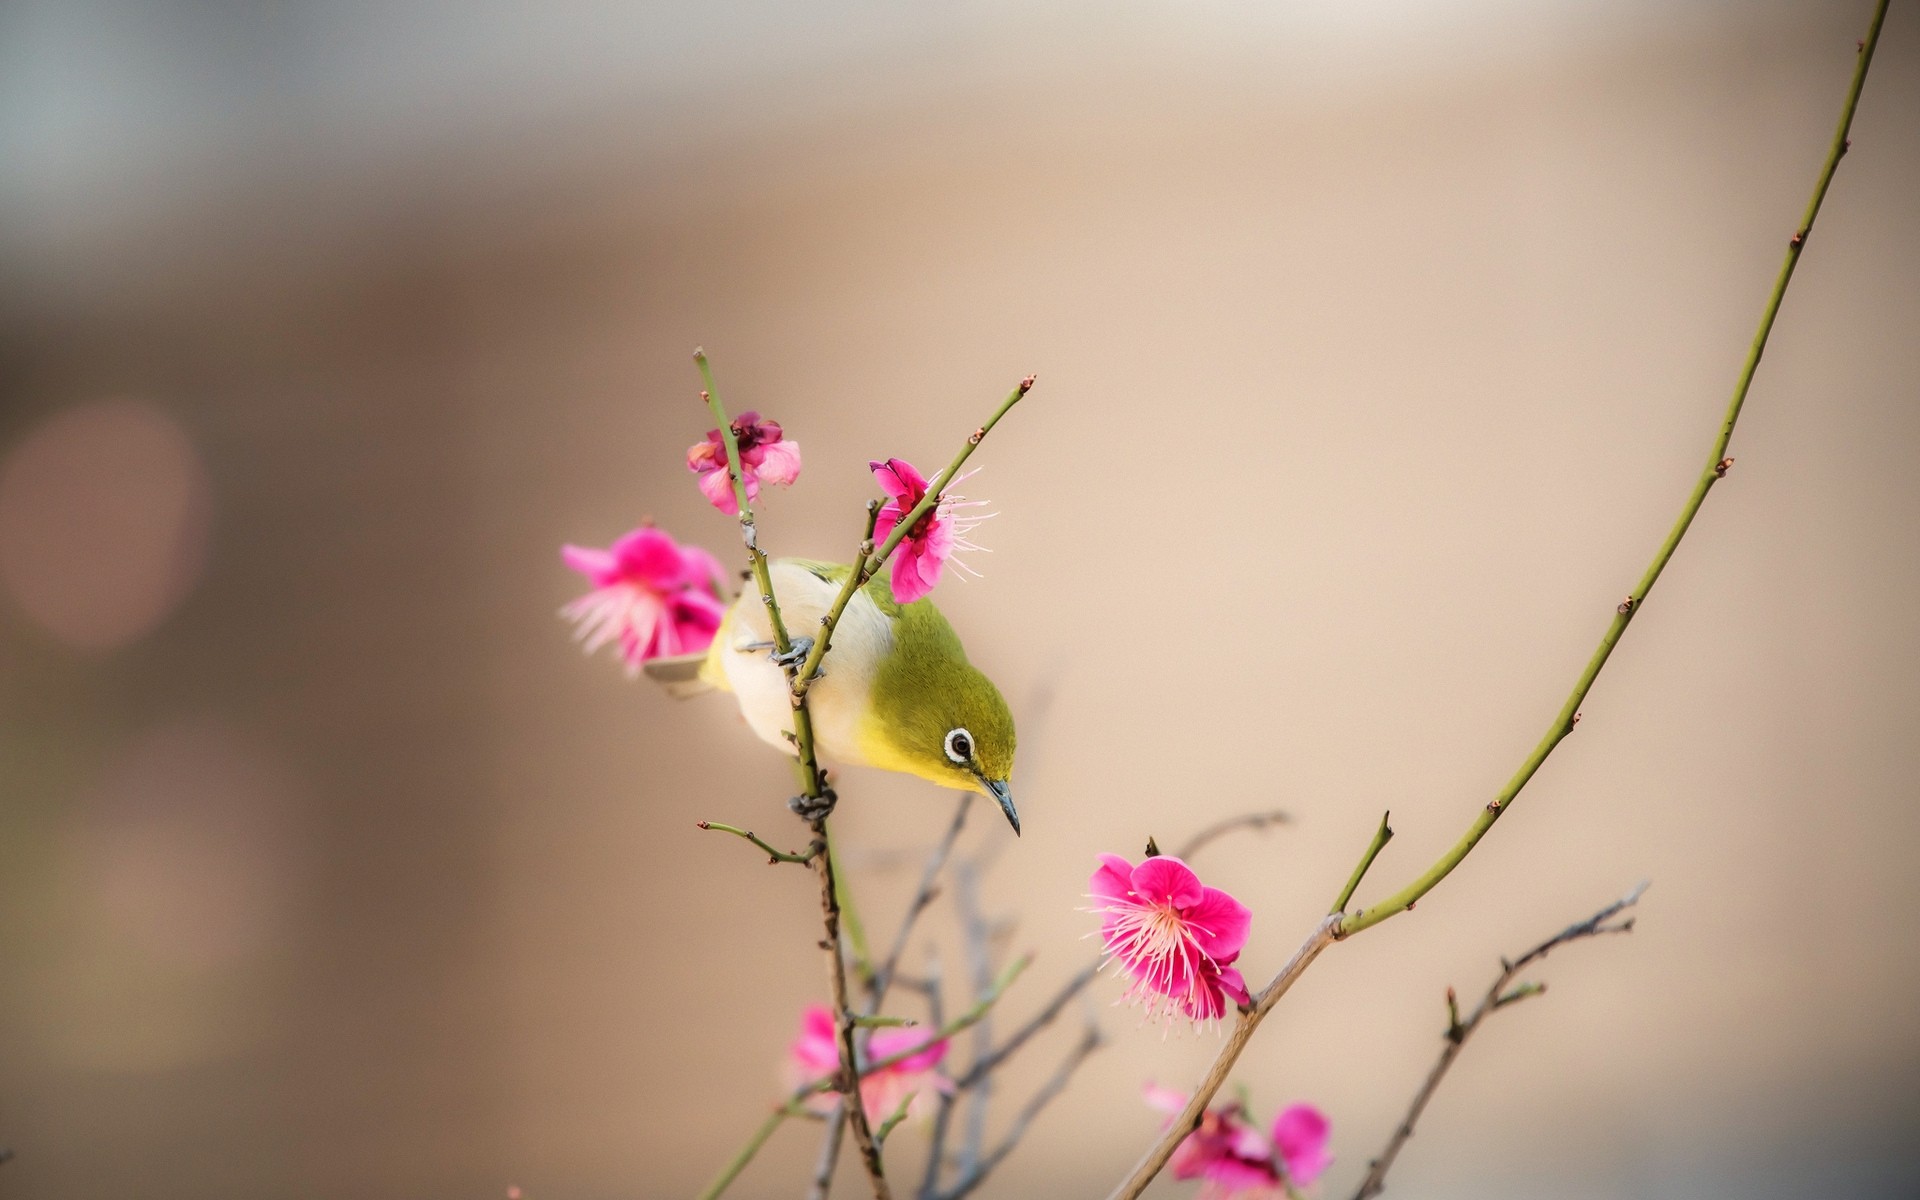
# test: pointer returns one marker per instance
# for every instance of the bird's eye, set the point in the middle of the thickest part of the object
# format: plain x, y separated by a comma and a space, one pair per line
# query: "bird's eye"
960, 746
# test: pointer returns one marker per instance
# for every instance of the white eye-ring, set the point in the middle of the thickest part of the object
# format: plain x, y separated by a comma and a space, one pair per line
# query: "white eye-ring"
960, 746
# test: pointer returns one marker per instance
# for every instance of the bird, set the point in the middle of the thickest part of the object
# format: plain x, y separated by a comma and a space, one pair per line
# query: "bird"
895, 690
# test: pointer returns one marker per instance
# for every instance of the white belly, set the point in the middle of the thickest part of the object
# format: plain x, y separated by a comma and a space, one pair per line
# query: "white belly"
839, 698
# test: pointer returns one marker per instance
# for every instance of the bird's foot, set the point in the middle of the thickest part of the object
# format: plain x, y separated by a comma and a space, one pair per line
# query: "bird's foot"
814, 808
796, 653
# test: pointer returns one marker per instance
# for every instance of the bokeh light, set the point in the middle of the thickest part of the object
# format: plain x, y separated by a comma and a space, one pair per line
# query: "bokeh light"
103, 522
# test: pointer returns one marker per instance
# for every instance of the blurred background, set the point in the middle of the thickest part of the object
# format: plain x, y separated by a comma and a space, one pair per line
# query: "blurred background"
1378, 345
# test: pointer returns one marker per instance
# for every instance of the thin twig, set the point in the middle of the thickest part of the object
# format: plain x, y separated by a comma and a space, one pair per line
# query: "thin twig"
773, 855
1458, 1031
796, 1102
848, 1082
871, 562
1714, 471
973, 922
1254, 821
1381, 837
829, 1156
922, 897
1334, 927
1090, 1041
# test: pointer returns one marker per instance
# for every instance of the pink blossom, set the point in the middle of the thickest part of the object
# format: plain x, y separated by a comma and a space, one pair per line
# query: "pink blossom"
1174, 937
1237, 1160
815, 1055
766, 456
924, 551
651, 596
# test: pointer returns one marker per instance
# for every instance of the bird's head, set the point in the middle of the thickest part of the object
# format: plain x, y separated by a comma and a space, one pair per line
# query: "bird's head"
948, 724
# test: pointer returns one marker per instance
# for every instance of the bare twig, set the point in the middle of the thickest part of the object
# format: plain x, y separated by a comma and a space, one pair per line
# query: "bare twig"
922, 896
1336, 926
773, 855
1714, 471
973, 923
1496, 998
1254, 821
1090, 1040
1381, 837
796, 1102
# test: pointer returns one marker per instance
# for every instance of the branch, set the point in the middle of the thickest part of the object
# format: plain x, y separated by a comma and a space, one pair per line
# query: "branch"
1254, 821
1090, 1041
867, 567
1381, 837
980, 966
773, 856
796, 1102
846, 1081
1714, 471
1458, 1031
923, 895
1336, 926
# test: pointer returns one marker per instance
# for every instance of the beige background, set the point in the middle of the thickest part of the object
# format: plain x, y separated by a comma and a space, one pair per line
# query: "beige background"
1376, 352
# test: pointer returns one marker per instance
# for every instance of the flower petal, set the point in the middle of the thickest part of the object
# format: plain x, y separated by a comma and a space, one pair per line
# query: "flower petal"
1300, 1135
1165, 1099
649, 556
1113, 880
908, 583
597, 565
1219, 924
717, 487
1167, 880
898, 479
780, 464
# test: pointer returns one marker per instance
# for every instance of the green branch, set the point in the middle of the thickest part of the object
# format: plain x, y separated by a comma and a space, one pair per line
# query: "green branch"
1381, 837
1334, 926
1714, 471
773, 855
870, 560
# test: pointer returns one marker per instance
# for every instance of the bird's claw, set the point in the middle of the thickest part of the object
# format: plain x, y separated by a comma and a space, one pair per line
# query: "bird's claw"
814, 808
796, 653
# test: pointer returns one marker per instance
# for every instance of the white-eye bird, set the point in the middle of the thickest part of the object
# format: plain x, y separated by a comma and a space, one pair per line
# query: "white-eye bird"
895, 689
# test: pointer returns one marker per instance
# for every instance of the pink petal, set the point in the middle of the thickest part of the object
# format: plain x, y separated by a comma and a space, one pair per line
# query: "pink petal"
709, 455
703, 570
1167, 880
817, 1049
889, 1042
649, 556
1219, 924
718, 489
1164, 1099
780, 465
898, 479
1300, 1133
908, 583
1113, 880
595, 564
1234, 985
1232, 1174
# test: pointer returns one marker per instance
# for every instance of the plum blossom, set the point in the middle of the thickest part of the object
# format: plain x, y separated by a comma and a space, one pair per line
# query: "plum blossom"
1174, 937
815, 1054
924, 551
1237, 1160
766, 456
651, 597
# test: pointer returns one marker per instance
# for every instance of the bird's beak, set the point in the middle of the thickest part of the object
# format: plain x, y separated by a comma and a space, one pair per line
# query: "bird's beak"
997, 788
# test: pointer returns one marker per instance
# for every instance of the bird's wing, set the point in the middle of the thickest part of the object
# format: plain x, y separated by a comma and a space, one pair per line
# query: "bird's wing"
680, 674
